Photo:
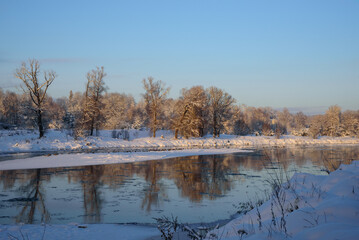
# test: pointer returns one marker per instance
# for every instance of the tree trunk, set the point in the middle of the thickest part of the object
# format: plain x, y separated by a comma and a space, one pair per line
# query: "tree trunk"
92, 126
154, 124
214, 126
201, 132
39, 123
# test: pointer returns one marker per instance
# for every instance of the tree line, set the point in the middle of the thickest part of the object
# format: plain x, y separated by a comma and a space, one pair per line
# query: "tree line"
197, 112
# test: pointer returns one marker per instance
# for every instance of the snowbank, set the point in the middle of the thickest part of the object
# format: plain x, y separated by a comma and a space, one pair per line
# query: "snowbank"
27, 141
314, 207
84, 159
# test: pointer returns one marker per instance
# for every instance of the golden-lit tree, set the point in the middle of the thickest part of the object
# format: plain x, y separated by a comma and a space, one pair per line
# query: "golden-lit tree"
29, 75
95, 87
219, 107
154, 96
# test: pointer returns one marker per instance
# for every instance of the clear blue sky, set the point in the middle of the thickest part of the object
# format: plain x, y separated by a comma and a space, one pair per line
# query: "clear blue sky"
296, 54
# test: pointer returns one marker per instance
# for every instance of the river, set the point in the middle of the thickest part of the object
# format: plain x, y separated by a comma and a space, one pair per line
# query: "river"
196, 189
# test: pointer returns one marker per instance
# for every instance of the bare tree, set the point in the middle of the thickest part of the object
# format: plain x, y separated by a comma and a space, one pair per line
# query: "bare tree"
154, 96
95, 87
29, 75
220, 104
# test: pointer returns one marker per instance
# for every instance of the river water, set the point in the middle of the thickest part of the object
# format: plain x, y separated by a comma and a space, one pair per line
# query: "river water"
197, 189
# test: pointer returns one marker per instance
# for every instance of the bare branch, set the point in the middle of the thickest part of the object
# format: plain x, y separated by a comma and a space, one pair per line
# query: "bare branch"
29, 76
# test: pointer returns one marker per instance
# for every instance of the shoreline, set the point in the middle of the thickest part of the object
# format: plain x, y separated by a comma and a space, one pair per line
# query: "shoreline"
59, 142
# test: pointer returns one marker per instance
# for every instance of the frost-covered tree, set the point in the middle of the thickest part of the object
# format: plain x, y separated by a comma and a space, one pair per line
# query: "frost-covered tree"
140, 118
259, 120
219, 105
241, 124
332, 121
74, 113
300, 120
154, 97
95, 87
350, 123
232, 124
29, 75
285, 120
191, 112
316, 126
27, 117
11, 108
118, 110
169, 113
300, 124
55, 112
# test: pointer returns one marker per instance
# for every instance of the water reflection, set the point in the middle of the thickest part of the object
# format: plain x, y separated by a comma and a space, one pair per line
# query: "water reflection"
204, 176
32, 196
138, 191
153, 189
90, 179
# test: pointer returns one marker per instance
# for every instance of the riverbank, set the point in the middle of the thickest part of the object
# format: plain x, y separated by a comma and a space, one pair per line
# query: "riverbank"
307, 207
24, 141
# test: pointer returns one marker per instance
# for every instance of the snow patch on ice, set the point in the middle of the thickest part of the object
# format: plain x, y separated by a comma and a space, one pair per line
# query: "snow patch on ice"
85, 159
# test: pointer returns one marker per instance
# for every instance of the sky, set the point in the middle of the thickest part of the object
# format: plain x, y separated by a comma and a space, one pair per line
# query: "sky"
303, 55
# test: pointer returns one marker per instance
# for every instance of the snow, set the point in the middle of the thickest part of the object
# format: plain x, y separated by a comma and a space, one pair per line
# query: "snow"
84, 159
56, 140
316, 207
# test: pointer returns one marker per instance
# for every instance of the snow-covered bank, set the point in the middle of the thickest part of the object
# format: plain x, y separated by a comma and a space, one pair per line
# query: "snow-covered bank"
27, 141
315, 207
84, 159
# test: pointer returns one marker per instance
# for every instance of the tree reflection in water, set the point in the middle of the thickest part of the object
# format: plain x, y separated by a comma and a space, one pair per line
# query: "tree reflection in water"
154, 189
196, 178
90, 179
203, 176
34, 199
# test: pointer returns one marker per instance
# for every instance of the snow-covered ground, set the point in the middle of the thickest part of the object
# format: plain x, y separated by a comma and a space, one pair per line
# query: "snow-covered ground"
85, 159
315, 207
27, 141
